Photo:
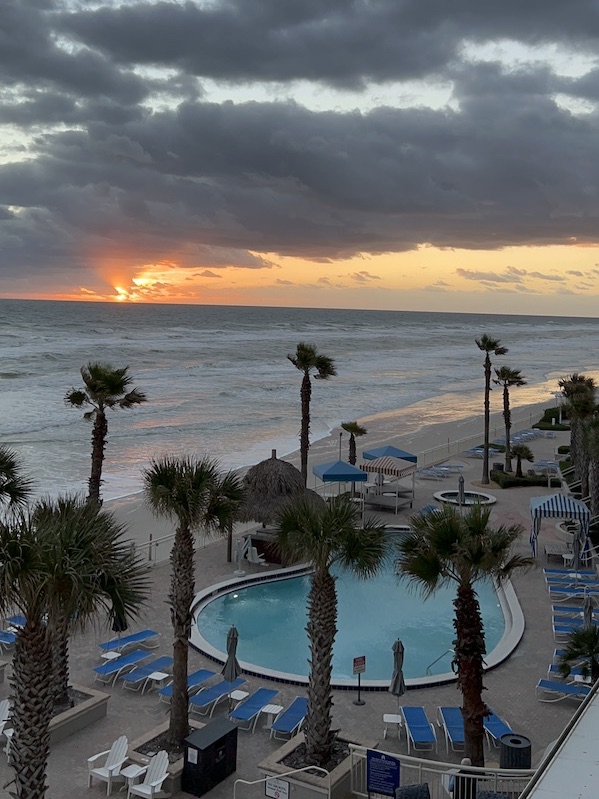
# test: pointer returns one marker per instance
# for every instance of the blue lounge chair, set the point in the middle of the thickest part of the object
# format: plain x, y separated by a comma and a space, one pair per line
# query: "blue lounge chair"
450, 719
419, 731
571, 572
565, 592
570, 610
16, 621
195, 680
138, 678
553, 672
144, 637
564, 579
561, 690
246, 712
494, 728
289, 722
7, 638
208, 698
108, 672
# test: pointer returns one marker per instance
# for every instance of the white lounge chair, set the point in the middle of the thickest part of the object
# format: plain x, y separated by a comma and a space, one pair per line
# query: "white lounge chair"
155, 775
111, 770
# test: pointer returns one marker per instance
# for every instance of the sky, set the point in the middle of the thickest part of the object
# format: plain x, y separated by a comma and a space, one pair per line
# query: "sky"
384, 154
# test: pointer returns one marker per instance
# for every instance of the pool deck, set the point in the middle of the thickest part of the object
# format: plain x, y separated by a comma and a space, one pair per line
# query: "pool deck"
511, 686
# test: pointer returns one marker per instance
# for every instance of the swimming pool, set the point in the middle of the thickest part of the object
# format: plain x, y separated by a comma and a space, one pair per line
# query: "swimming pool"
271, 616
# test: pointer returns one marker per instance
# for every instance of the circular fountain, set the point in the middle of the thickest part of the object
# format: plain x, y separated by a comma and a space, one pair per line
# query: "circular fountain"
452, 497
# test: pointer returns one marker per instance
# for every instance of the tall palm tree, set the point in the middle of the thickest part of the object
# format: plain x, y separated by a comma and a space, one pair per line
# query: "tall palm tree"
507, 378
582, 651
581, 403
488, 345
194, 494
522, 453
447, 548
105, 387
37, 558
15, 486
326, 536
355, 430
592, 446
309, 361
94, 570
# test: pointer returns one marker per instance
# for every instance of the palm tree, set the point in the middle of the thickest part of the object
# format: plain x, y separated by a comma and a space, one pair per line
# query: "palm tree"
38, 558
308, 360
507, 378
105, 387
582, 650
327, 536
15, 487
488, 345
592, 446
522, 453
579, 392
355, 430
95, 569
196, 496
446, 548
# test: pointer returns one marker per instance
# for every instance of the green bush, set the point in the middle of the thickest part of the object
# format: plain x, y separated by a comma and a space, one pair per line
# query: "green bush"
546, 421
508, 480
563, 450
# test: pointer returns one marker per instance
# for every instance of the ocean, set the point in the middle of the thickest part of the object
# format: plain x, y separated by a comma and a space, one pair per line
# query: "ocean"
219, 383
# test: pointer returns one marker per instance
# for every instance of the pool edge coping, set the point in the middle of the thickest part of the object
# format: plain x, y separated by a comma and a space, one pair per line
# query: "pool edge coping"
508, 600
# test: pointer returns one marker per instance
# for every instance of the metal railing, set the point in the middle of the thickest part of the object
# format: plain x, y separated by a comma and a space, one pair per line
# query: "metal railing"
438, 775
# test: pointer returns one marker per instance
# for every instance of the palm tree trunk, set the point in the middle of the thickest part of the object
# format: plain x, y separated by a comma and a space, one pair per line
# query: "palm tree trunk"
321, 629
519, 466
469, 661
59, 630
32, 710
352, 449
306, 395
594, 486
99, 434
485, 477
180, 599
507, 417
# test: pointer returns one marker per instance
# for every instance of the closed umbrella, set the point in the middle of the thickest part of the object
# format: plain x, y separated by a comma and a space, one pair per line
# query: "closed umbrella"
587, 610
397, 687
577, 545
231, 669
461, 492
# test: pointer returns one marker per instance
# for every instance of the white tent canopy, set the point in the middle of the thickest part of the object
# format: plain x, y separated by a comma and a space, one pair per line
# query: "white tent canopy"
559, 506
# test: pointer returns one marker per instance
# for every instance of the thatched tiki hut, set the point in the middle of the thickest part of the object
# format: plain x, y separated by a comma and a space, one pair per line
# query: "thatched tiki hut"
269, 486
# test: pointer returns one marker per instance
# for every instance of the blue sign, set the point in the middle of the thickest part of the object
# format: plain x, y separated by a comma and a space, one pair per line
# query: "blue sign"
382, 773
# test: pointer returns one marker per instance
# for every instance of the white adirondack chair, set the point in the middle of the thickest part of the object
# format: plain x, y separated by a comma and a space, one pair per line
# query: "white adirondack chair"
156, 773
111, 770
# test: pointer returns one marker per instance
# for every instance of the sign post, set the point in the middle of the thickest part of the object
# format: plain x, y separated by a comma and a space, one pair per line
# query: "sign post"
359, 668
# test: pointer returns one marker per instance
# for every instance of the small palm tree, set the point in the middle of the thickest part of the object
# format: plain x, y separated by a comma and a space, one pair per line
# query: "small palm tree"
47, 569
507, 378
581, 403
308, 360
15, 487
105, 387
488, 345
355, 430
198, 497
582, 650
522, 453
326, 536
447, 548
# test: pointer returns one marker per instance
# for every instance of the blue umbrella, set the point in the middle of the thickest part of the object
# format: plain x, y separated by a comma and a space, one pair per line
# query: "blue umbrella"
389, 452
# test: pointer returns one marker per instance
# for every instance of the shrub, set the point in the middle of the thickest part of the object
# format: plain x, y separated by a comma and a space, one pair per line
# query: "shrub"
546, 422
563, 450
508, 480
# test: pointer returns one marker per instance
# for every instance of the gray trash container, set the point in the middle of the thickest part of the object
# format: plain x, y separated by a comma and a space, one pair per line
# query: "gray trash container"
515, 751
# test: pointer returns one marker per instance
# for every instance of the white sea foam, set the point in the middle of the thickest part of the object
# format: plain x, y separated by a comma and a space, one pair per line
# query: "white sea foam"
219, 383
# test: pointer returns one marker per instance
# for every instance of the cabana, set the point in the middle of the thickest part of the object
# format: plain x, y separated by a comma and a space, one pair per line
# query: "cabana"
339, 472
559, 506
396, 469
389, 451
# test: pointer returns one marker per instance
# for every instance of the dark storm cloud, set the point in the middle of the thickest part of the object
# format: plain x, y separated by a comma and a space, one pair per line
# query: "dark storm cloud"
122, 159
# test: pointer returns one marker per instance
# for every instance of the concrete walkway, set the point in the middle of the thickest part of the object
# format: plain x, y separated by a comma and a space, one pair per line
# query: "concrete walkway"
511, 686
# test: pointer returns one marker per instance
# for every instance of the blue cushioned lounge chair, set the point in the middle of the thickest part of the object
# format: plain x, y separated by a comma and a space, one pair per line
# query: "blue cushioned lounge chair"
195, 680
208, 698
108, 672
138, 678
246, 712
450, 719
560, 690
494, 728
147, 638
419, 731
289, 722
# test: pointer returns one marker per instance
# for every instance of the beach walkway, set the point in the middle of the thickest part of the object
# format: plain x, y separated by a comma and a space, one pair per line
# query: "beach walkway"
511, 686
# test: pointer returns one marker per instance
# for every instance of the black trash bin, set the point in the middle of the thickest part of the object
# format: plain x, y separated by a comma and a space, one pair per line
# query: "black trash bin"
498, 467
210, 756
515, 751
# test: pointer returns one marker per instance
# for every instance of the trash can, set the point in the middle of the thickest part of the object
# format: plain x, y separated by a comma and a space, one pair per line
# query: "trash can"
210, 756
515, 751
498, 467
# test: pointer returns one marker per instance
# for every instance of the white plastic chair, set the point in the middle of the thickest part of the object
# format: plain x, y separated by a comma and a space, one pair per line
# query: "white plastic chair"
111, 770
156, 773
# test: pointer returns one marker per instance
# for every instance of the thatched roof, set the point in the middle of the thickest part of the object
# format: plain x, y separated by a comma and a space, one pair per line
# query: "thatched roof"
269, 486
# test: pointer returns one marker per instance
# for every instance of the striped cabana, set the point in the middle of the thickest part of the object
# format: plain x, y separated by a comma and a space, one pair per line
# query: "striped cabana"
559, 506
390, 467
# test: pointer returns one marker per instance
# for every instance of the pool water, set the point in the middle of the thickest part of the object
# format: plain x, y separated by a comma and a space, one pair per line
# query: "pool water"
271, 618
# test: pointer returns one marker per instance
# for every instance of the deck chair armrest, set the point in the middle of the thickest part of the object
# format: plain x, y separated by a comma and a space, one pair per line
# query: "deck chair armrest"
158, 782
91, 760
116, 766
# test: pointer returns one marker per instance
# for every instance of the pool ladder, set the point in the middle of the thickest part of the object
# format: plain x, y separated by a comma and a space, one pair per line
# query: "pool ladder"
436, 660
